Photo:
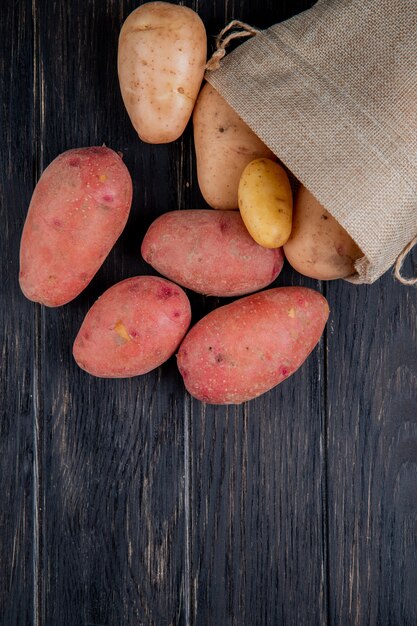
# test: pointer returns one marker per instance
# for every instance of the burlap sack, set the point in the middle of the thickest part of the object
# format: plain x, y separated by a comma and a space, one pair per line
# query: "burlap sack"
333, 93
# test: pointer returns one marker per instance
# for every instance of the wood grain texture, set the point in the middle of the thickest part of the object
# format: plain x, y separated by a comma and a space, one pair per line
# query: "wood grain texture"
17, 522
258, 511
372, 454
125, 502
257, 507
112, 451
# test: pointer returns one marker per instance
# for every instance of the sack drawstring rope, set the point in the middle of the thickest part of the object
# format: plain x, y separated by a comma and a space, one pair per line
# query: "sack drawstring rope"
222, 42
399, 263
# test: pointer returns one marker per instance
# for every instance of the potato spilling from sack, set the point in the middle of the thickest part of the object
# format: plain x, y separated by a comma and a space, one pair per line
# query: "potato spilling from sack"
265, 202
243, 349
78, 210
161, 61
224, 145
133, 328
318, 246
210, 252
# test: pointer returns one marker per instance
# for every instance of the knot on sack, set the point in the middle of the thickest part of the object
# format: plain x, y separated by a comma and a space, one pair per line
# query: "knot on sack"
234, 30
399, 263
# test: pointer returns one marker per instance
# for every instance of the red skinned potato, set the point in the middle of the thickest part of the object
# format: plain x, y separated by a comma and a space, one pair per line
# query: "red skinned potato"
161, 61
78, 210
241, 350
210, 252
134, 327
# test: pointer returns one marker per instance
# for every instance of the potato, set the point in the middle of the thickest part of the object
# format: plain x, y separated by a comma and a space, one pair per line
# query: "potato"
210, 252
265, 202
161, 60
134, 327
224, 145
241, 350
318, 246
78, 209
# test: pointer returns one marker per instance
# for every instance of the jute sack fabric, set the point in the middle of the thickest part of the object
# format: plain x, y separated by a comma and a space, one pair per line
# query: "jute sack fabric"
333, 93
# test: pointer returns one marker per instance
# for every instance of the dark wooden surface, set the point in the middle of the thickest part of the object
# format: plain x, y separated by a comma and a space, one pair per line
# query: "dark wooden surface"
126, 502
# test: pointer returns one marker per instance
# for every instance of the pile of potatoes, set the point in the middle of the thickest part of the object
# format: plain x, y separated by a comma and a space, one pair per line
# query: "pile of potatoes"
236, 248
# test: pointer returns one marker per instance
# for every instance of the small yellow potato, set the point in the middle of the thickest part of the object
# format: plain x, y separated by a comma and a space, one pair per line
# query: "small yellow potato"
224, 145
265, 202
161, 61
318, 246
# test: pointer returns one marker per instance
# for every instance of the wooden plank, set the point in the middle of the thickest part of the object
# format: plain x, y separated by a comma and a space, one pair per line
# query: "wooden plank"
112, 466
16, 319
372, 454
257, 506
257, 473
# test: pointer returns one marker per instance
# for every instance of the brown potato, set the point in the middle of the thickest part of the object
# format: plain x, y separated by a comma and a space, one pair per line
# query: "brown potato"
161, 61
318, 246
224, 146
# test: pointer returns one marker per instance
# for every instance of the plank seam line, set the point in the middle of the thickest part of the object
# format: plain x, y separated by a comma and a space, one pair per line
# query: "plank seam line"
325, 523
187, 510
37, 365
